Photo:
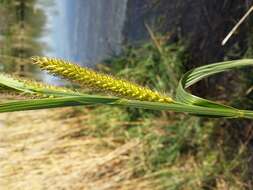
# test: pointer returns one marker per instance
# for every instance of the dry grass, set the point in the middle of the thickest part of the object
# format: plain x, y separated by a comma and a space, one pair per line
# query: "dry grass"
41, 150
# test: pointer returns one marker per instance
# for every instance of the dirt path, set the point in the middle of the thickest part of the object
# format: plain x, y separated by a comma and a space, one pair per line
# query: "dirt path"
41, 150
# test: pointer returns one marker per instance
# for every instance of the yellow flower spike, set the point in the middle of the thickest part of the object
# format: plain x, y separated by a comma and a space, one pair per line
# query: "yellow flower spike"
89, 78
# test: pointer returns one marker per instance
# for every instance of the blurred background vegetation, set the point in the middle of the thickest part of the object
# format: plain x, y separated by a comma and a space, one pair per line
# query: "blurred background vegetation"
162, 40
22, 24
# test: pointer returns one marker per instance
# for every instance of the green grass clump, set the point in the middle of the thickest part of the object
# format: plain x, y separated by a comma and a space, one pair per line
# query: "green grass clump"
178, 152
149, 67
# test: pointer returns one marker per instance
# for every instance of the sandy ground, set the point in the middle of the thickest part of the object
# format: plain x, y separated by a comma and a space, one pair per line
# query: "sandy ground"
42, 150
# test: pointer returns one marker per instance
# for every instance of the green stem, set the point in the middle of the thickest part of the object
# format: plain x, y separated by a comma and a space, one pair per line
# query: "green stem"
95, 100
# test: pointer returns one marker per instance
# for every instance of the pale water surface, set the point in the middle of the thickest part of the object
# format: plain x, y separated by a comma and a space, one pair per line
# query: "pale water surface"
85, 31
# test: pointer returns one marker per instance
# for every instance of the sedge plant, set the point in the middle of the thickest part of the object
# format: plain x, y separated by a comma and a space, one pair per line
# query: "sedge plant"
119, 92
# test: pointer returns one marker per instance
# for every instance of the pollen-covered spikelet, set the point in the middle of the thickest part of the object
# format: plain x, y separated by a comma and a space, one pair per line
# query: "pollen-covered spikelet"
89, 78
24, 87
39, 88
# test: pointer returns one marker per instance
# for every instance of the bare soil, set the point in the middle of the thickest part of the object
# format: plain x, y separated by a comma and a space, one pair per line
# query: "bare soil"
41, 150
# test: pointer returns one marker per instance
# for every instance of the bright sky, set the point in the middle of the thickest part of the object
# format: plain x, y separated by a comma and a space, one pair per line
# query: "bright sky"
55, 35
